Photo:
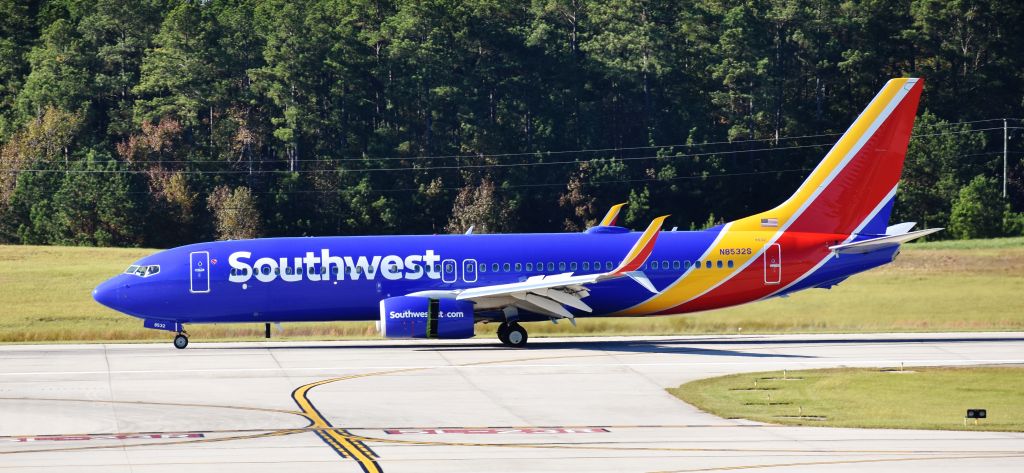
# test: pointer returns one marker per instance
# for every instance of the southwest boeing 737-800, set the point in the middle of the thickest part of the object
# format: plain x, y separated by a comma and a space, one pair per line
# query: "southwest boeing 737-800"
439, 286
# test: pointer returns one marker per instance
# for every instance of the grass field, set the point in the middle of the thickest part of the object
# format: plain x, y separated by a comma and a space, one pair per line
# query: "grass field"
45, 295
919, 398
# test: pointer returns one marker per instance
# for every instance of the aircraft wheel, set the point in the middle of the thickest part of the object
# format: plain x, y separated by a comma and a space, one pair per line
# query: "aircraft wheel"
180, 341
516, 336
503, 333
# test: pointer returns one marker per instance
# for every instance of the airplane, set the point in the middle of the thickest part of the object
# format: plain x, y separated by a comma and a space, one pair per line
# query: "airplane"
440, 286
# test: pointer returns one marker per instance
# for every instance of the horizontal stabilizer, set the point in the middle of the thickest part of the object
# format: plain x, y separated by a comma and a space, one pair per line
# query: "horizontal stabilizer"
867, 246
900, 228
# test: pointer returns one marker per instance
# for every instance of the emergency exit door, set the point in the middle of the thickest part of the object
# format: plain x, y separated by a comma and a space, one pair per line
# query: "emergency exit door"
199, 272
449, 271
773, 264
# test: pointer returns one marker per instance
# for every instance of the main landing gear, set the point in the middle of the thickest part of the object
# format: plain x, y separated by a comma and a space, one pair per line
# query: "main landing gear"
181, 340
512, 334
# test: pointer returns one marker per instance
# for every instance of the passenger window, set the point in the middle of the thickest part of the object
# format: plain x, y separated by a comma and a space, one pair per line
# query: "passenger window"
506, 267
277, 271
654, 265
572, 266
719, 264
561, 265
729, 263
696, 264
551, 266
597, 265
608, 265
675, 264
586, 265
266, 270
540, 266
686, 264
529, 266
483, 267
335, 270
494, 267
707, 264
519, 267
323, 270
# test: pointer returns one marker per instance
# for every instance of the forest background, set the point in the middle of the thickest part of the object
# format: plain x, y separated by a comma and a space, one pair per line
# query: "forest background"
157, 123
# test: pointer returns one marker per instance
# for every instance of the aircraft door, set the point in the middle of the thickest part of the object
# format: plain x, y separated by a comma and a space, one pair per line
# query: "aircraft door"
469, 270
449, 271
199, 272
773, 264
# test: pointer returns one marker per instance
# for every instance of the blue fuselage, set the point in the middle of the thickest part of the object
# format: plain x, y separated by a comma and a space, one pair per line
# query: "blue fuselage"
345, 278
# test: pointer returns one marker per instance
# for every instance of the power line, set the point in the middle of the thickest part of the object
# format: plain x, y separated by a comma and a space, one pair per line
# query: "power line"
548, 153
500, 188
472, 166
610, 181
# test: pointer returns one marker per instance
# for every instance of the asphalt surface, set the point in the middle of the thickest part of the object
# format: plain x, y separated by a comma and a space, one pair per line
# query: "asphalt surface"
578, 404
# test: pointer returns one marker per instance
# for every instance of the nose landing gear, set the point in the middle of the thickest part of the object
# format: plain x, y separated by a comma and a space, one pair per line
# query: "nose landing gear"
181, 340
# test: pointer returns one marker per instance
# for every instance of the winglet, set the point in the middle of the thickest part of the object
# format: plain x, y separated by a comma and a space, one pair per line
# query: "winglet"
612, 215
642, 249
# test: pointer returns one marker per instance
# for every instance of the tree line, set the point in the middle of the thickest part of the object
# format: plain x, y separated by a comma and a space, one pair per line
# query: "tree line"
161, 122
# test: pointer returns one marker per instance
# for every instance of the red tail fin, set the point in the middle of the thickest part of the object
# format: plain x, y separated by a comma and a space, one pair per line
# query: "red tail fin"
853, 187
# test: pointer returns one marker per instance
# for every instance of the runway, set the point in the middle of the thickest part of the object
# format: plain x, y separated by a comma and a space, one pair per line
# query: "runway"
580, 404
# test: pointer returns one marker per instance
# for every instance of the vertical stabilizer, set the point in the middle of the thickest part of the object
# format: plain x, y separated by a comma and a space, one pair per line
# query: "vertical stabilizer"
852, 188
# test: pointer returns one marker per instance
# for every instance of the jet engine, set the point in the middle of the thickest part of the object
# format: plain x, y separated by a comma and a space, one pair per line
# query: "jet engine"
424, 317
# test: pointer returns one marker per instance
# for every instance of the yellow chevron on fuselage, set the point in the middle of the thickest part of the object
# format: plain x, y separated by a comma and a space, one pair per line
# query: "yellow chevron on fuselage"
751, 232
695, 282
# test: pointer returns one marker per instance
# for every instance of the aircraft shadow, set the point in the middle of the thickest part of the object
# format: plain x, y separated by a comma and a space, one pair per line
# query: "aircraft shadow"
682, 346
687, 346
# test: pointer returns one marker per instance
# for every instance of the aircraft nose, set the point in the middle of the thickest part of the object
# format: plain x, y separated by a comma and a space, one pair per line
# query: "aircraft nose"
109, 292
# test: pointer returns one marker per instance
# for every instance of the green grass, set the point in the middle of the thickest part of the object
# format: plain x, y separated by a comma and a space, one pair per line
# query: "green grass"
919, 398
45, 295
991, 243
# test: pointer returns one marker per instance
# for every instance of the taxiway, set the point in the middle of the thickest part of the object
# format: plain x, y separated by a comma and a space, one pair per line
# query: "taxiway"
581, 404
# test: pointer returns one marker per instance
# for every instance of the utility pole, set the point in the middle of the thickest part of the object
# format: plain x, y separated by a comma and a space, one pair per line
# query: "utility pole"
1005, 139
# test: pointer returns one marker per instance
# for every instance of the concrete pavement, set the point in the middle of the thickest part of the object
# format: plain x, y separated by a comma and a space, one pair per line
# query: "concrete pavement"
594, 404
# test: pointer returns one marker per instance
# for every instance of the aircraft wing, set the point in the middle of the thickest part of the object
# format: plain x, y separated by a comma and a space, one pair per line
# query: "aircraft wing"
551, 294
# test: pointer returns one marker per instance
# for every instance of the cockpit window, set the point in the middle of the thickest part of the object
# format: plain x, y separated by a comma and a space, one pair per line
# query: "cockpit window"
143, 271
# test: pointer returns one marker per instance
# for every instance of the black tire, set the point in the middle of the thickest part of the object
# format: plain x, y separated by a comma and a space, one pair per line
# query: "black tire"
180, 341
503, 333
516, 336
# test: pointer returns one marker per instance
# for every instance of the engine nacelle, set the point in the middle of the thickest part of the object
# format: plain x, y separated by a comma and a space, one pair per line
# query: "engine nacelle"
423, 317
